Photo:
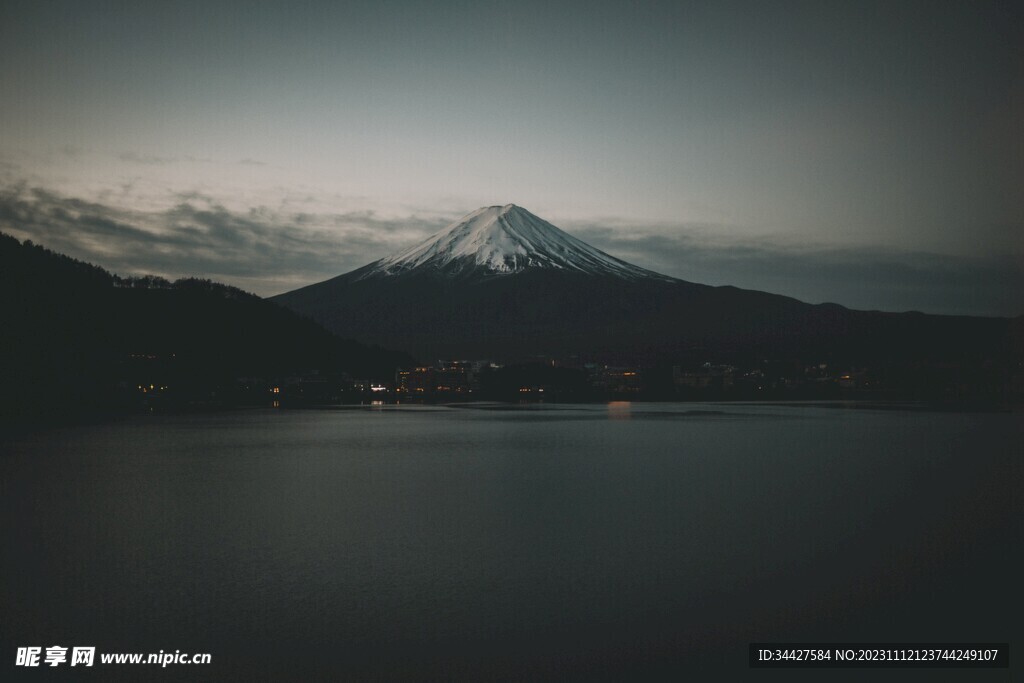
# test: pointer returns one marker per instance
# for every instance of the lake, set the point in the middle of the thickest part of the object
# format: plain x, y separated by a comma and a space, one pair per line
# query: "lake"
478, 542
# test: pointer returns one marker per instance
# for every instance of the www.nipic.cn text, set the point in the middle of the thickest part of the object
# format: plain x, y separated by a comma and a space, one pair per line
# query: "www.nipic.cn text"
58, 655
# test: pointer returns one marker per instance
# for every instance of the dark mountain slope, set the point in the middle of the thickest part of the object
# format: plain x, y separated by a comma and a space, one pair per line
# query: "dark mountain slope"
72, 335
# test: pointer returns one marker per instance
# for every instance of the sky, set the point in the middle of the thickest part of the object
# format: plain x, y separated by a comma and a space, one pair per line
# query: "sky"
864, 153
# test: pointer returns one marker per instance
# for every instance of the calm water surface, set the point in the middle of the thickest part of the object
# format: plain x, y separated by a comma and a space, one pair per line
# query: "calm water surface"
625, 542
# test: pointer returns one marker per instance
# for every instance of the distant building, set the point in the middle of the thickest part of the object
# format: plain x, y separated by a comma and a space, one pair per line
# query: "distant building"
708, 378
416, 381
614, 380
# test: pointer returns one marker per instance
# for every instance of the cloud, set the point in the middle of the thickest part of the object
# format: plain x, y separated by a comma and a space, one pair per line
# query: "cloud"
154, 160
268, 251
146, 159
260, 250
857, 277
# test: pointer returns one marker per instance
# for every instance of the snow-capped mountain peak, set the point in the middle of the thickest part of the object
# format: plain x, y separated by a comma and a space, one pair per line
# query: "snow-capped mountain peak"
501, 240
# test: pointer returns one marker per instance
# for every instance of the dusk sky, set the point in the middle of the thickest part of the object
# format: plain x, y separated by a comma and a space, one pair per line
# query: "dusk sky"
870, 154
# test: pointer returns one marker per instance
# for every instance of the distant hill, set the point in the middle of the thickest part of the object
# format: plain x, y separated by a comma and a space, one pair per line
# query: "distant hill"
77, 338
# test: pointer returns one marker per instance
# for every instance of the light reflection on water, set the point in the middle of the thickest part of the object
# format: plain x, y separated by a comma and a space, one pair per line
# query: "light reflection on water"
619, 410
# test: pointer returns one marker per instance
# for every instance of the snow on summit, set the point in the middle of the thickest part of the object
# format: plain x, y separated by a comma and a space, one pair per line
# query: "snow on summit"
500, 240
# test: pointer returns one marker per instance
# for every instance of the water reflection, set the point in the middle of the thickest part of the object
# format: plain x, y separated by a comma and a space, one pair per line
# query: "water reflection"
497, 541
620, 410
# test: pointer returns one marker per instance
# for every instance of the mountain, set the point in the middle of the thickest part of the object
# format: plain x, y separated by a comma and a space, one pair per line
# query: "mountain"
74, 336
503, 284
503, 240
